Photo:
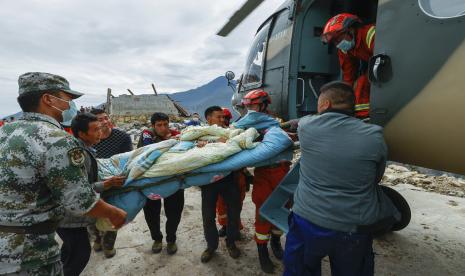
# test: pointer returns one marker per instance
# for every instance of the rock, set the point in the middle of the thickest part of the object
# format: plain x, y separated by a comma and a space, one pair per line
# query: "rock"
399, 168
452, 203
455, 184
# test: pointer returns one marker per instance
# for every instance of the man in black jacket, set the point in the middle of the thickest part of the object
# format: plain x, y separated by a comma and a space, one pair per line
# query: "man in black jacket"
174, 204
113, 141
229, 190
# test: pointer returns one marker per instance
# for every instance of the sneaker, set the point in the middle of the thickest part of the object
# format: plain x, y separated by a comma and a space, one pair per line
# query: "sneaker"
109, 253
207, 255
222, 231
233, 251
171, 248
156, 247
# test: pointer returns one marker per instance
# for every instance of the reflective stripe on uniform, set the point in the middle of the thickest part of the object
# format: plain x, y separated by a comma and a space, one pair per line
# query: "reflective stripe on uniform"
222, 216
360, 107
370, 34
262, 237
276, 232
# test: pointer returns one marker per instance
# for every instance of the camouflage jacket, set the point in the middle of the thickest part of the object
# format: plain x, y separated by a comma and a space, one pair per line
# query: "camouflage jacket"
42, 175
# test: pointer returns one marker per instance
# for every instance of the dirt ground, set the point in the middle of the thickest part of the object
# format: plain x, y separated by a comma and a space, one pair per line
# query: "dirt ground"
433, 243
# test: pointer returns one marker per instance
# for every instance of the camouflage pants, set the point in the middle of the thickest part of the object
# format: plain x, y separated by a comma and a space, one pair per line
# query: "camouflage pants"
55, 269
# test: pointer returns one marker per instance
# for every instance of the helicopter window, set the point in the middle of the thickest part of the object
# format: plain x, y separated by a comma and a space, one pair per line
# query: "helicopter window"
443, 9
254, 66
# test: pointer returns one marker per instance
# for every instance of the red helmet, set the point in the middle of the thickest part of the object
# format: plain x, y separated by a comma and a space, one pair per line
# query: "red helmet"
227, 113
338, 24
257, 96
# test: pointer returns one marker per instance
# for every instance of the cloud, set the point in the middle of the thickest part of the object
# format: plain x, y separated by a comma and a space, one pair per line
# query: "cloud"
121, 44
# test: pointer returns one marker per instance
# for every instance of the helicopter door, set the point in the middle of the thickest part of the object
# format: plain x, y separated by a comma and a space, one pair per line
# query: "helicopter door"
418, 85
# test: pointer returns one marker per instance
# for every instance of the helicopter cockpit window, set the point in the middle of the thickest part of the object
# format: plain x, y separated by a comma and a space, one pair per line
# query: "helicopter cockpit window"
253, 70
443, 9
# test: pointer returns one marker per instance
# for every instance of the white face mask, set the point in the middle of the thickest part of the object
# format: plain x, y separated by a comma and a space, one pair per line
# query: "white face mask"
67, 114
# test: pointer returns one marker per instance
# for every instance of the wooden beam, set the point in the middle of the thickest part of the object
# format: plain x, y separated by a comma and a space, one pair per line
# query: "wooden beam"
109, 96
154, 90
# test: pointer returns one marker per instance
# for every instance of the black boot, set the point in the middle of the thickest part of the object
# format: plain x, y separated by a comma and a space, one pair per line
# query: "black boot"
265, 262
276, 247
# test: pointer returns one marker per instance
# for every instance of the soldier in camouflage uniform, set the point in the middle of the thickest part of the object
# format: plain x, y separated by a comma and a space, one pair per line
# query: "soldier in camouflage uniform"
42, 175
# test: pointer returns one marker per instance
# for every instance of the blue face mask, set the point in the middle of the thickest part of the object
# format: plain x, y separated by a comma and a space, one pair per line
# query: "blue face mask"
67, 114
346, 45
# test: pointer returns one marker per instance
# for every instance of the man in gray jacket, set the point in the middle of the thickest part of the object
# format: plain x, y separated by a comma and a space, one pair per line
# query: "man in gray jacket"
338, 203
75, 251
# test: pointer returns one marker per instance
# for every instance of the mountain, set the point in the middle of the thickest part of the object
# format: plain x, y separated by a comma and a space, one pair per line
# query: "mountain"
216, 92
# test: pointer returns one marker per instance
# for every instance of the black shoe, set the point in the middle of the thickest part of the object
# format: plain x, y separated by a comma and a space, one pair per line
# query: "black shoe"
222, 231
207, 255
233, 251
265, 263
157, 246
276, 247
171, 248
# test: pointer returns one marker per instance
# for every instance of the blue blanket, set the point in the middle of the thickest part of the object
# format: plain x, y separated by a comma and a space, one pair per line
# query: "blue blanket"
275, 147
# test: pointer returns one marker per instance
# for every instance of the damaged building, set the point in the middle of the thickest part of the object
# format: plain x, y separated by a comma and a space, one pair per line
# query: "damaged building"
130, 108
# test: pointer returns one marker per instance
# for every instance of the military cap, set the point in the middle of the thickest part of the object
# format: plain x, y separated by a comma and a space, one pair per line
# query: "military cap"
38, 81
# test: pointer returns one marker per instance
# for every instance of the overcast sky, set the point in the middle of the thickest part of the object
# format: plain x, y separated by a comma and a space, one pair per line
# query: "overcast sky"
121, 44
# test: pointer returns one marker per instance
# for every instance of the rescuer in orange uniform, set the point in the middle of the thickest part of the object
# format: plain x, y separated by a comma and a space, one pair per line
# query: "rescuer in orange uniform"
265, 180
355, 43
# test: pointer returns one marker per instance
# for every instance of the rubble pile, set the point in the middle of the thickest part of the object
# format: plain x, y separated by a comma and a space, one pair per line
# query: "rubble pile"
443, 184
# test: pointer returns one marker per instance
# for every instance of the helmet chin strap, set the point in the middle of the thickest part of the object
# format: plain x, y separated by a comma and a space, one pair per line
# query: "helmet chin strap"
263, 107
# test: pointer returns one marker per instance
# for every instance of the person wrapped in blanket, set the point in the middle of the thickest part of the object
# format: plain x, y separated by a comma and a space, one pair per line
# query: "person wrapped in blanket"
174, 204
266, 178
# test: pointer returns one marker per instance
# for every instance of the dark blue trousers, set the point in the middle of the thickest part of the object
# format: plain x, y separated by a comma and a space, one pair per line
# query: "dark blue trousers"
306, 244
75, 251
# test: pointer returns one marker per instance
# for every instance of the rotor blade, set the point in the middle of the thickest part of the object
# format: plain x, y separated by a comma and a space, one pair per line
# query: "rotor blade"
239, 16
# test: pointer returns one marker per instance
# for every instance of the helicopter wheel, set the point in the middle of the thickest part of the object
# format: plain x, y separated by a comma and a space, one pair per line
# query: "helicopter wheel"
402, 206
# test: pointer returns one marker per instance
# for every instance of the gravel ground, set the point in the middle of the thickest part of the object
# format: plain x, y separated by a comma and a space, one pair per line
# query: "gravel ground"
433, 243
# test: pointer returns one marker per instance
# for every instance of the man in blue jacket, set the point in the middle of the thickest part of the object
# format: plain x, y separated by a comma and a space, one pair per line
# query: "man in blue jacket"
338, 203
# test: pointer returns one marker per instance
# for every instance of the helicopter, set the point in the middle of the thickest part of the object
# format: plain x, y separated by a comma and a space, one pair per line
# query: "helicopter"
416, 75
417, 91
